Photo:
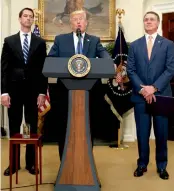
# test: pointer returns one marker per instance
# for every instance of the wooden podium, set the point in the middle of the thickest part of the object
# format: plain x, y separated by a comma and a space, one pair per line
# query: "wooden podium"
78, 171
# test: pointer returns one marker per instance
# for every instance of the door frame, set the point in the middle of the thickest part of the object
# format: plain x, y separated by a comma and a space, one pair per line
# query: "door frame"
163, 8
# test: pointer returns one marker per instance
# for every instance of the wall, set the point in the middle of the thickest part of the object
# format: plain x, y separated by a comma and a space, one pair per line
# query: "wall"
132, 22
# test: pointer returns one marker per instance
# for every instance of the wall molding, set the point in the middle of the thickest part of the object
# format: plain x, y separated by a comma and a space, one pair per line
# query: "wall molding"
129, 138
164, 7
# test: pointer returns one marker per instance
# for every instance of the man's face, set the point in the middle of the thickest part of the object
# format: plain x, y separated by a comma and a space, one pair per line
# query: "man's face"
151, 23
27, 19
79, 21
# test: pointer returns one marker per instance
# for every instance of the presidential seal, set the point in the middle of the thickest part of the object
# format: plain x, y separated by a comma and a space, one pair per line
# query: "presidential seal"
79, 65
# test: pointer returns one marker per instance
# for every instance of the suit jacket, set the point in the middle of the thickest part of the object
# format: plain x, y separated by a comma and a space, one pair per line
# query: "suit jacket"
158, 71
13, 68
64, 47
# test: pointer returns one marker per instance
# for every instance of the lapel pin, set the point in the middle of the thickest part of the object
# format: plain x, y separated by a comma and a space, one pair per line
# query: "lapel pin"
159, 41
88, 40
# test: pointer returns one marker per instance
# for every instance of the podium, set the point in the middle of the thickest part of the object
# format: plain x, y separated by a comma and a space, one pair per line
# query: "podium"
77, 170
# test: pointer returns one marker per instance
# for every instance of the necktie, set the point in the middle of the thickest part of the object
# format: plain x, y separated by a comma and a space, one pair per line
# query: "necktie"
25, 48
149, 46
79, 46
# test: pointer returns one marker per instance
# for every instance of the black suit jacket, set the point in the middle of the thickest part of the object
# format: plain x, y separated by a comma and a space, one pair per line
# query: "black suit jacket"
13, 68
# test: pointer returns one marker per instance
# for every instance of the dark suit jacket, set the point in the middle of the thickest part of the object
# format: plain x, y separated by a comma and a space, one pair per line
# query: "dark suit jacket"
64, 47
13, 68
158, 71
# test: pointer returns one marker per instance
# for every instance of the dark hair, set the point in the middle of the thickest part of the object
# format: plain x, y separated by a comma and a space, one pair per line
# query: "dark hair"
154, 13
26, 8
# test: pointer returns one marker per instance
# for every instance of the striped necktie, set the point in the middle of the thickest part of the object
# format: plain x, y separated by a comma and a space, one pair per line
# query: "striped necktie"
25, 48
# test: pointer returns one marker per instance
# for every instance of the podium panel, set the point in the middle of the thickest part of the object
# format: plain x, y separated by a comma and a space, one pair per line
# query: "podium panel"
78, 171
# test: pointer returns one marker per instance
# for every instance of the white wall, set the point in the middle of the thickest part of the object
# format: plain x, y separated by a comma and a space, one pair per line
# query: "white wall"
16, 6
132, 22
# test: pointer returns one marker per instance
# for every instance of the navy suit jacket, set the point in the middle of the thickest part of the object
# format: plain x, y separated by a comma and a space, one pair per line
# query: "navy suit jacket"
64, 47
158, 71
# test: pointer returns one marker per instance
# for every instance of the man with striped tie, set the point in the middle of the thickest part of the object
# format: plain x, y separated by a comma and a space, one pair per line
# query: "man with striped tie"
23, 83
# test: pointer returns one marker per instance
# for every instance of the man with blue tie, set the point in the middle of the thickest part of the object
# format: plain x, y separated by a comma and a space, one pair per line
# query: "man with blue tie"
66, 45
23, 83
150, 67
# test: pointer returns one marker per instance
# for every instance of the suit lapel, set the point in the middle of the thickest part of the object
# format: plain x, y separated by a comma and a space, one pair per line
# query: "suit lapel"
144, 48
33, 45
18, 46
86, 43
156, 46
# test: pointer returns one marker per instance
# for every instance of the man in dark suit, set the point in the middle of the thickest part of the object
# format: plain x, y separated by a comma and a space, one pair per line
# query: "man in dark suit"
66, 45
150, 68
23, 83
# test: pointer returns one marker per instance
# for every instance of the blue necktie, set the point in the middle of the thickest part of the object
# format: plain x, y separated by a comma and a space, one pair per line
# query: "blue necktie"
79, 46
25, 48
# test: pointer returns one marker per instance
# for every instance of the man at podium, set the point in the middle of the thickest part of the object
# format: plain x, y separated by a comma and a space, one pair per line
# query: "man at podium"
66, 45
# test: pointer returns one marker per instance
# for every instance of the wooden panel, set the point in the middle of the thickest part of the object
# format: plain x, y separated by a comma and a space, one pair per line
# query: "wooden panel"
168, 25
77, 169
168, 29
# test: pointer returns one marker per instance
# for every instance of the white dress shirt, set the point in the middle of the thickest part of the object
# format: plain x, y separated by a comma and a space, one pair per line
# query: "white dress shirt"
22, 37
76, 40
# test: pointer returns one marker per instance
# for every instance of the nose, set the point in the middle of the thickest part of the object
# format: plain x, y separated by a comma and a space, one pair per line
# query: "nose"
78, 21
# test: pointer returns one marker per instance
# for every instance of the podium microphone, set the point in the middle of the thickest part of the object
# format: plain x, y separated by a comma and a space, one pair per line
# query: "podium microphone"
78, 33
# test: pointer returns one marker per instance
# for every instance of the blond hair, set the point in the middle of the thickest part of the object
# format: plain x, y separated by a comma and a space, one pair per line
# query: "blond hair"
78, 12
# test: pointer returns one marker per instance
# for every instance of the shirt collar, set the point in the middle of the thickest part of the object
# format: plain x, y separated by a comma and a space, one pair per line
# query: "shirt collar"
22, 33
154, 35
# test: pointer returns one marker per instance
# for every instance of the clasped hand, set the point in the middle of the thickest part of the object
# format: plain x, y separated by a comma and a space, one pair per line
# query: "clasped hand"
148, 93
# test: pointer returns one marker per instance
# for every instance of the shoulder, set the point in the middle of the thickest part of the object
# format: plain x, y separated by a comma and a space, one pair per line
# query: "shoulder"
92, 37
11, 37
63, 36
167, 41
39, 39
136, 42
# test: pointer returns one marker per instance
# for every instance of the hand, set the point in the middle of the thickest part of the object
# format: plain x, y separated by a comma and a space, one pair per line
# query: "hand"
40, 100
150, 98
147, 90
5, 100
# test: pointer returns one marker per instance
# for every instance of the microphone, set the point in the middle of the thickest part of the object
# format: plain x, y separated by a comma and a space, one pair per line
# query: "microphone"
78, 33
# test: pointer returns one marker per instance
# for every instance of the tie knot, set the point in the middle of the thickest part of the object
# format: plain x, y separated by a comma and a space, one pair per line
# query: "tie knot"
150, 37
25, 35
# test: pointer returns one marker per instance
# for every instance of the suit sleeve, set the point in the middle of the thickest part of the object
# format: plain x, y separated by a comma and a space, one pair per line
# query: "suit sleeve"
43, 80
101, 51
167, 75
131, 70
5, 67
54, 52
